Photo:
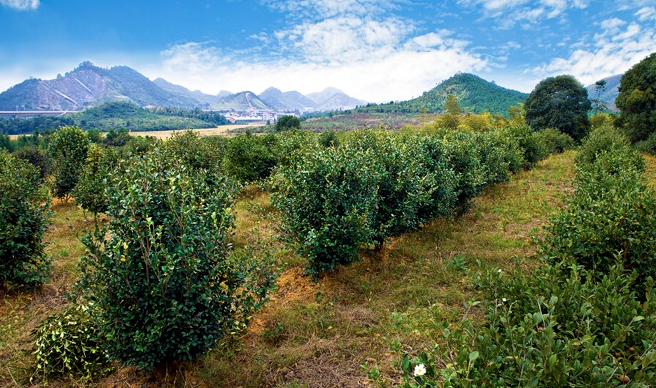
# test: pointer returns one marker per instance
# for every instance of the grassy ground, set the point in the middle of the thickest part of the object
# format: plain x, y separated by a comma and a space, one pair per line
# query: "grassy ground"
318, 334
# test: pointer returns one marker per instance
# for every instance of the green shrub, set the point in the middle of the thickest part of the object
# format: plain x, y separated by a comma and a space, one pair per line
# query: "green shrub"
602, 140
287, 123
531, 143
248, 158
67, 344
647, 146
329, 139
96, 175
612, 210
470, 177
68, 149
555, 141
327, 200
158, 278
23, 222
35, 156
193, 151
415, 184
560, 326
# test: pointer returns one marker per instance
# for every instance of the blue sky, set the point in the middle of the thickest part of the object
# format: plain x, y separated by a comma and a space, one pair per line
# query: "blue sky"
378, 50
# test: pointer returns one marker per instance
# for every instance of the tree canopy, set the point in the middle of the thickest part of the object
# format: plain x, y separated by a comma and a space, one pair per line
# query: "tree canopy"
559, 102
285, 123
637, 100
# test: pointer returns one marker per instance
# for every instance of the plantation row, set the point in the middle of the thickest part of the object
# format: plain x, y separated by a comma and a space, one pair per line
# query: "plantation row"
160, 282
585, 317
374, 186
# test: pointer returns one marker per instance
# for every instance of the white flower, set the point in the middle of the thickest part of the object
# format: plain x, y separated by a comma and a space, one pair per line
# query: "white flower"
420, 370
499, 271
503, 299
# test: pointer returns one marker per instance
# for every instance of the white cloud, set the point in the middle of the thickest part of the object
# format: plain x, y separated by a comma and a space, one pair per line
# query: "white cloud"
402, 73
21, 5
646, 13
330, 8
614, 50
511, 12
345, 39
359, 46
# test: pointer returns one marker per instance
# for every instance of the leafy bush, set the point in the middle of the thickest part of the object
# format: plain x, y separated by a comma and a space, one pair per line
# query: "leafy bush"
286, 123
327, 200
612, 210
559, 326
533, 145
23, 222
647, 146
555, 142
67, 344
602, 140
158, 278
248, 158
68, 149
35, 156
96, 175
193, 151
415, 184
470, 174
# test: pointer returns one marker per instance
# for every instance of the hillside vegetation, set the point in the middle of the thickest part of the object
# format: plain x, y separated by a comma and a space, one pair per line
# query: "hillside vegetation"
473, 93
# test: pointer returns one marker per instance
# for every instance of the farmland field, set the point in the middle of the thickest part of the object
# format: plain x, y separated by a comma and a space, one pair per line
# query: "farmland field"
220, 130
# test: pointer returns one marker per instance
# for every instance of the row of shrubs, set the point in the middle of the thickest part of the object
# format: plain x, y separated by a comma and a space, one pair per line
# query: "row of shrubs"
586, 316
160, 282
376, 185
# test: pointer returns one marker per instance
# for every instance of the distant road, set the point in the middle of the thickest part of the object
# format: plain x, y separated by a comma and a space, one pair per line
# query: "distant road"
33, 113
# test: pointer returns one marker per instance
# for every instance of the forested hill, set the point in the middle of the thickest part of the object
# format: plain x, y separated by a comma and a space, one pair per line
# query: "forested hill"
474, 95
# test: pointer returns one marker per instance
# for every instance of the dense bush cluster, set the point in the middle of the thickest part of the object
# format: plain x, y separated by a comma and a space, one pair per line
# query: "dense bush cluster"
23, 222
374, 186
559, 326
585, 317
158, 278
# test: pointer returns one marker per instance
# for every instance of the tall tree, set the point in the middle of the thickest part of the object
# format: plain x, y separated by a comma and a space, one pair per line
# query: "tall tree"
599, 105
559, 102
637, 100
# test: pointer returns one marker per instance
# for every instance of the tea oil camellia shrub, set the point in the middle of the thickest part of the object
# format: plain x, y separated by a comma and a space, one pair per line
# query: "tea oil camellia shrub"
158, 278
24, 219
560, 326
612, 211
327, 199
68, 149
67, 344
96, 175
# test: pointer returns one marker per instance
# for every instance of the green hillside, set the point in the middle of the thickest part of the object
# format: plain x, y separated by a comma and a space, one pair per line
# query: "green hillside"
117, 115
474, 95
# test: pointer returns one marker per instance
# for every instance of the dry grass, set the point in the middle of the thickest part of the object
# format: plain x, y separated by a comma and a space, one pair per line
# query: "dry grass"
318, 334
221, 130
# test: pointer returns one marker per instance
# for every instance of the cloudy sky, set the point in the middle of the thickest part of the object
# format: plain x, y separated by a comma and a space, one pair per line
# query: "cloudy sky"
377, 50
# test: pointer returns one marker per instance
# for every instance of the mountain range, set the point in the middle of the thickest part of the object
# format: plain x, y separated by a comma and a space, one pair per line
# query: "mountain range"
88, 86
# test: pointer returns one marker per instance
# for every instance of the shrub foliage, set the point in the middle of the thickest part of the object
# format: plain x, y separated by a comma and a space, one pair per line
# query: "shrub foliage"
23, 222
158, 279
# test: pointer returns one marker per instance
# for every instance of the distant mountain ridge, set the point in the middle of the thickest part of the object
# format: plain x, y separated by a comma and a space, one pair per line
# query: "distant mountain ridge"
609, 94
89, 86
474, 94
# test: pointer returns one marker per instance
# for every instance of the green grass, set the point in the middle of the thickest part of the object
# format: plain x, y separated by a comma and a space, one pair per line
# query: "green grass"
319, 334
